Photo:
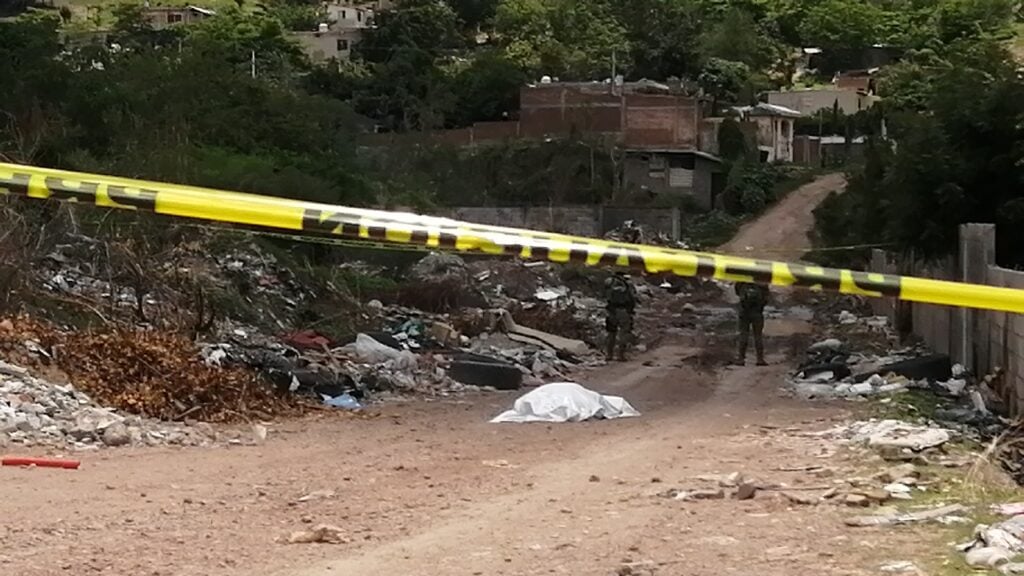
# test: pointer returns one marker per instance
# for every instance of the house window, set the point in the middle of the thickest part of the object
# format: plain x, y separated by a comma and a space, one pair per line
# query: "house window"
359, 15
342, 45
656, 167
344, 14
174, 18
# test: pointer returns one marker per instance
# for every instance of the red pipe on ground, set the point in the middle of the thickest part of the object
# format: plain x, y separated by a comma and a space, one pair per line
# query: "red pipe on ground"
41, 463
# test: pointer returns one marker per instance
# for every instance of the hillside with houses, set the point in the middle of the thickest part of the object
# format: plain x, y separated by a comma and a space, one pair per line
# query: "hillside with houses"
700, 105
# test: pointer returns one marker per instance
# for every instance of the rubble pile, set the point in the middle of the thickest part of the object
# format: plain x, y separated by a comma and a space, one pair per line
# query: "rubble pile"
38, 412
832, 370
632, 233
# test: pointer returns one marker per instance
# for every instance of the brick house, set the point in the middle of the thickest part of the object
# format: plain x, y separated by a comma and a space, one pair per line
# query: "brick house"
657, 129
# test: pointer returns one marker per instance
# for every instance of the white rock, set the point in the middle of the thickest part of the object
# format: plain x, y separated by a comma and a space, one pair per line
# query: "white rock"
832, 344
988, 557
862, 389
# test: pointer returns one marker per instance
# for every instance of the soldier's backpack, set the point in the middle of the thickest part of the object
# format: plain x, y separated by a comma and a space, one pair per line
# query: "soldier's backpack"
752, 297
619, 293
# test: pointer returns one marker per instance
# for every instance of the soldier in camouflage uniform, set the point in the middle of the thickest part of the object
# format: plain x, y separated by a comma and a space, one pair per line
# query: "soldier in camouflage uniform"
621, 304
753, 298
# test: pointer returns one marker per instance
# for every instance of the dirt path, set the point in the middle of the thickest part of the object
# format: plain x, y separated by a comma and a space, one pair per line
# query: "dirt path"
781, 233
433, 489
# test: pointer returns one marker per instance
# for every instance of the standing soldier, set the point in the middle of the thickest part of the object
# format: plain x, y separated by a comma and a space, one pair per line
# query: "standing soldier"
621, 303
753, 298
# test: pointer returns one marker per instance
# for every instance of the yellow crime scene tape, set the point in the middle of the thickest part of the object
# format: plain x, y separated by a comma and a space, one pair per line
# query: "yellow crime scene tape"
324, 220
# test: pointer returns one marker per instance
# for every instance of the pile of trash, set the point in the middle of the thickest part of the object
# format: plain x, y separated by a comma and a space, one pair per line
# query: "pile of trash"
830, 370
632, 233
35, 412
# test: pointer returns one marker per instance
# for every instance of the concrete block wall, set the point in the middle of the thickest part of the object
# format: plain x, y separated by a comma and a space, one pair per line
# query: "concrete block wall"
981, 340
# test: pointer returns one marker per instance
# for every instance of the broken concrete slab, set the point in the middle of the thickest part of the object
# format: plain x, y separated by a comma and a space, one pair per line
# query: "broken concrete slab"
934, 514
525, 335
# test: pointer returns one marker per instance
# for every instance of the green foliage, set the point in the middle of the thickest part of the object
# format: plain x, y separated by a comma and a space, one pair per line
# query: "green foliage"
663, 36
751, 186
712, 229
842, 24
737, 37
569, 39
295, 15
732, 142
724, 80
958, 161
487, 89
474, 14
509, 174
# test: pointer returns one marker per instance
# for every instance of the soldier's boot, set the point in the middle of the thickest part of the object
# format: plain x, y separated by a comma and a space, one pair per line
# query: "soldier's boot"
610, 347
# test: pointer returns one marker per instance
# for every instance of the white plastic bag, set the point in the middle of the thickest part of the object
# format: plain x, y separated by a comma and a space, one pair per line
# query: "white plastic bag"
368, 350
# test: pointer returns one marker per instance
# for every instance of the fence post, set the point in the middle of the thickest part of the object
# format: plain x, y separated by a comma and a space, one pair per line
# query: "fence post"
977, 253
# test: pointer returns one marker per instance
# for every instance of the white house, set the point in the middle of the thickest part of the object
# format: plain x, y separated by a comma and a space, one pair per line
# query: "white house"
774, 130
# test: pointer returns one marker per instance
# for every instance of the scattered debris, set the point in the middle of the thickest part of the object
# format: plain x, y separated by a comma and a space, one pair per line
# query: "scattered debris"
746, 491
903, 567
892, 434
800, 499
691, 495
317, 495
936, 514
565, 402
321, 534
1012, 509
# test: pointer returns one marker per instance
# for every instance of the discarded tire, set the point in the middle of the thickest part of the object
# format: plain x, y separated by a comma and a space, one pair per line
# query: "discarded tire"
490, 373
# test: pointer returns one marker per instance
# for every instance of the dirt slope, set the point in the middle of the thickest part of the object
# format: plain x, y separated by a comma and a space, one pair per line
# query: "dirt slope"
781, 232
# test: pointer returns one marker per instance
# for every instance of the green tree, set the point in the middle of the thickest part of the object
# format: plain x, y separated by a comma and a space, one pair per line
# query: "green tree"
571, 39
724, 80
957, 160
663, 36
31, 99
474, 14
426, 26
737, 37
487, 89
959, 19
850, 24
237, 37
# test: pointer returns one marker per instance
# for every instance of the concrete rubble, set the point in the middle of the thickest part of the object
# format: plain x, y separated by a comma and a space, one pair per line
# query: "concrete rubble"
35, 412
996, 546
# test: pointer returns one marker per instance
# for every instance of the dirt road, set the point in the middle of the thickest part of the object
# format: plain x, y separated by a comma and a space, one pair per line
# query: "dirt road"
781, 233
433, 489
